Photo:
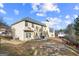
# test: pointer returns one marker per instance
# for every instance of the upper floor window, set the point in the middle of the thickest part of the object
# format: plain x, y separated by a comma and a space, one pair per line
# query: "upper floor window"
26, 23
37, 27
33, 25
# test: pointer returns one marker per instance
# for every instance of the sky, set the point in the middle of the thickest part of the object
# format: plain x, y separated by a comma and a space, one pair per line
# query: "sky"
59, 15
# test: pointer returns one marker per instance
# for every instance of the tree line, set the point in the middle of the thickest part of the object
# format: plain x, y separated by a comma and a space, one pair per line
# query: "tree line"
72, 31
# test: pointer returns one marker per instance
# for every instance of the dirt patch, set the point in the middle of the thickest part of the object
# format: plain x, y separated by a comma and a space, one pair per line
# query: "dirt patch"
36, 48
15, 42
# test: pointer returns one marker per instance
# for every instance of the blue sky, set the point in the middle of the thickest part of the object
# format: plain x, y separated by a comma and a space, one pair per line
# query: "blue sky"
58, 14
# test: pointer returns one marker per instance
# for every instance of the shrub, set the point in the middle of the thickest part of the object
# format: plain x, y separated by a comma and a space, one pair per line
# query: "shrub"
66, 37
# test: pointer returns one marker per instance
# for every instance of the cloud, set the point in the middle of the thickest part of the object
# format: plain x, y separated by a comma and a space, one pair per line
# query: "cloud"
3, 11
40, 14
69, 19
76, 7
52, 21
50, 7
67, 16
75, 16
16, 12
44, 8
35, 6
1, 5
8, 18
68, 22
57, 22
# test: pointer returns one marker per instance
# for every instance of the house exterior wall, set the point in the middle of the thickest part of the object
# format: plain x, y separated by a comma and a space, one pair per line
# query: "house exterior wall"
18, 30
29, 38
52, 34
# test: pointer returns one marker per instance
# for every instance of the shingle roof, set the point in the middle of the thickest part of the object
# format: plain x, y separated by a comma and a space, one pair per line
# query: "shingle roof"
3, 25
28, 19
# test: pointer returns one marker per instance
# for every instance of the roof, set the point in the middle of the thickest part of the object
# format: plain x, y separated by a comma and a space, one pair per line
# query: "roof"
28, 19
3, 25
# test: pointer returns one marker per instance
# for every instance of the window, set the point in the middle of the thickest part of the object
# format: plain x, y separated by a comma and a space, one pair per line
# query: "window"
33, 25
28, 35
37, 27
26, 23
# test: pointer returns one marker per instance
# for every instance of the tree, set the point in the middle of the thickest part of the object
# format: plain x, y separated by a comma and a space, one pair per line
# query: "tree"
70, 29
76, 26
61, 30
2, 22
70, 33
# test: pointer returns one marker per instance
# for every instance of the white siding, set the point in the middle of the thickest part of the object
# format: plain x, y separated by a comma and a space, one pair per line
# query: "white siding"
20, 27
19, 30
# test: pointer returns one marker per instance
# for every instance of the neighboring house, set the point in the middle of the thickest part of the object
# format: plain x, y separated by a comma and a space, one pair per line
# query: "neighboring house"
28, 29
5, 30
61, 34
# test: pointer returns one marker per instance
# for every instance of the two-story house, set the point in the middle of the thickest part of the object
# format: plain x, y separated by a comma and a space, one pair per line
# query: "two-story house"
5, 30
28, 28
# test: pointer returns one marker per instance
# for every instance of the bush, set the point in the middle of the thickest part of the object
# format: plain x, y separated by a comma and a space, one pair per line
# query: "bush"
77, 41
66, 37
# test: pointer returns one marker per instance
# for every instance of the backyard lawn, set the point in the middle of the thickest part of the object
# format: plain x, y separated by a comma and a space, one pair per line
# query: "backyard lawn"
51, 47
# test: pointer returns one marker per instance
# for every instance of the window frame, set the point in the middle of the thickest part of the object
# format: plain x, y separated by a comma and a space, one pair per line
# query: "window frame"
26, 23
33, 25
28, 34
